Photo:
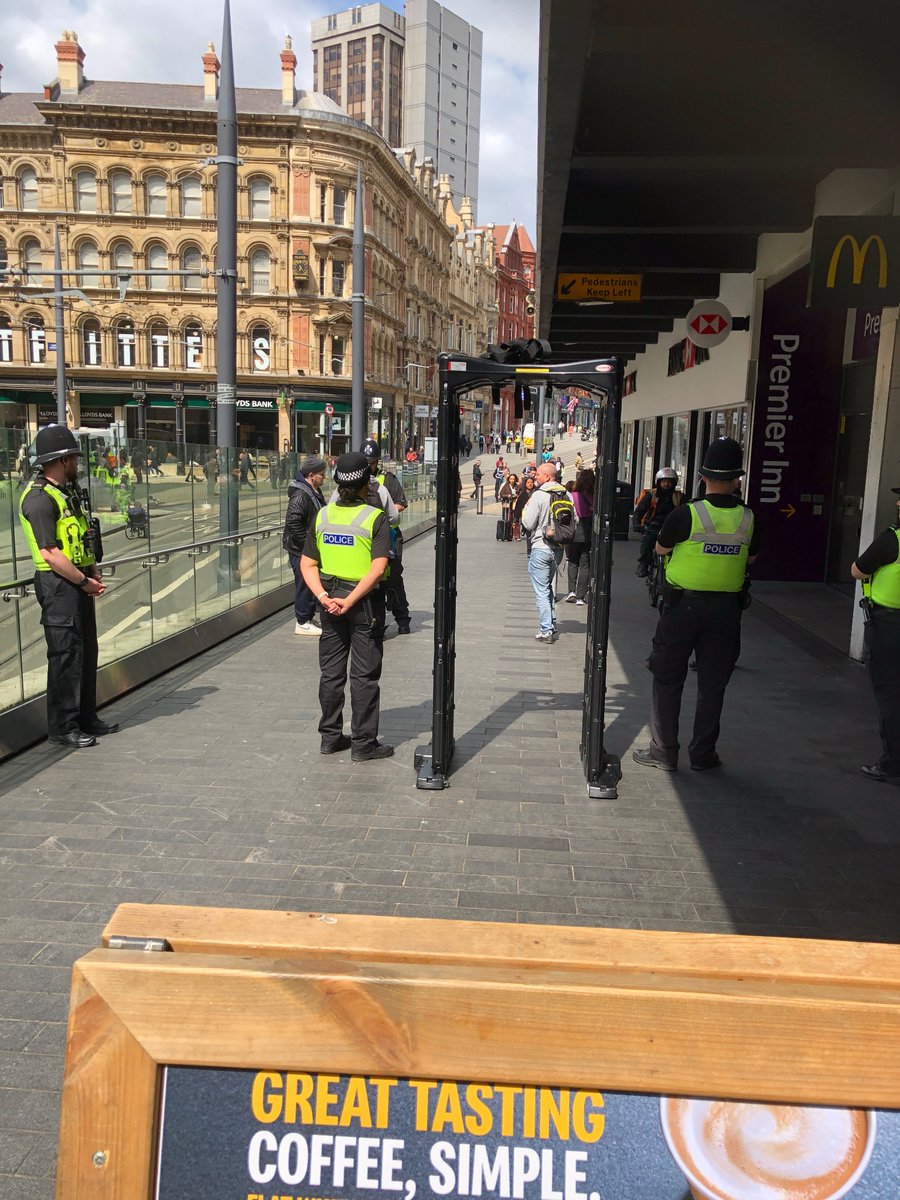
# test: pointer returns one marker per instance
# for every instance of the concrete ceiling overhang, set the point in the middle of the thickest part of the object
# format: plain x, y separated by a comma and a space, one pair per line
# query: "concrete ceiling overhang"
672, 135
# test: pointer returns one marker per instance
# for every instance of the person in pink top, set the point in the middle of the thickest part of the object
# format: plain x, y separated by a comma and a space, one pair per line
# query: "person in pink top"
578, 552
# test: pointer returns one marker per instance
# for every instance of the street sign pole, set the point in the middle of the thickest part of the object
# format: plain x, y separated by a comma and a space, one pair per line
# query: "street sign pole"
60, 317
358, 318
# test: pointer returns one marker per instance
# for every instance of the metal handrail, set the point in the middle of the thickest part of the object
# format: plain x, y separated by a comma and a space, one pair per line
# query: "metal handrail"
20, 589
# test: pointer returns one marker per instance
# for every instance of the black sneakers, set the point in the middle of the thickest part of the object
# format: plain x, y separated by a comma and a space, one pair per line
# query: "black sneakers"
376, 750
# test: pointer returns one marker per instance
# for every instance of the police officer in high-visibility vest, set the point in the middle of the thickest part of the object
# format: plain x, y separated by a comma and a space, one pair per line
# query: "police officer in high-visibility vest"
709, 544
879, 569
344, 564
396, 588
62, 543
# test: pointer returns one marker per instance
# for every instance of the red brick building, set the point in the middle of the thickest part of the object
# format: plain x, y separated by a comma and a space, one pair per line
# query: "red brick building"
515, 279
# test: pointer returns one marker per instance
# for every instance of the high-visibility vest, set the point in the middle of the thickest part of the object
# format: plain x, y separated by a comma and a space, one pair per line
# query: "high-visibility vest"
344, 539
884, 586
71, 527
714, 558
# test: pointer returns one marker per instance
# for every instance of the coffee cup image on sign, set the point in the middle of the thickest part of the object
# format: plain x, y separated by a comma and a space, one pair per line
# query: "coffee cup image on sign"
730, 1150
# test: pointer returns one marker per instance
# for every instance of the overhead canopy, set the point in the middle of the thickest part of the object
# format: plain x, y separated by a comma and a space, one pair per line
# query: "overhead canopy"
672, 135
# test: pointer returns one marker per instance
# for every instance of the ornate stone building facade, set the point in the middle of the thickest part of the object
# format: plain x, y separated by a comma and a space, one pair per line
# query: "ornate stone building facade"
122, 171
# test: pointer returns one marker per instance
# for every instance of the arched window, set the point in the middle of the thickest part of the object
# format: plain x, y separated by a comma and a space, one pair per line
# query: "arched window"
122, 256
157, 260
6, 339
4, 257
35, 338
32, 260
91, 347
260, 270
191, 260
88, 258
28, 188
85, 191
193, 348
159, 344
191, 196
260, 348
156, 194
120, 192
260, 199
125, 343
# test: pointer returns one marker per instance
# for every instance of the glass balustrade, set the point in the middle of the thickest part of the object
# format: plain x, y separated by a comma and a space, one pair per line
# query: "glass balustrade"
156, 504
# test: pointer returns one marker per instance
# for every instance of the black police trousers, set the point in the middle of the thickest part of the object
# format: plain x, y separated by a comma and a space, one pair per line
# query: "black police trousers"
70, 630
709, 625
358, 637
883, 654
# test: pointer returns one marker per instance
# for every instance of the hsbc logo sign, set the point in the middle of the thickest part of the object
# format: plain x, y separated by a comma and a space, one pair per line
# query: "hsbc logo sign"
709, 323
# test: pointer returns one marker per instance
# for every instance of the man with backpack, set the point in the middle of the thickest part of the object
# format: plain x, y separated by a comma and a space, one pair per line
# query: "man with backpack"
549, 517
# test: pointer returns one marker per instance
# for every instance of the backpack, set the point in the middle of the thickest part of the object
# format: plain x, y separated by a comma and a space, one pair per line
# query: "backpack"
563, 522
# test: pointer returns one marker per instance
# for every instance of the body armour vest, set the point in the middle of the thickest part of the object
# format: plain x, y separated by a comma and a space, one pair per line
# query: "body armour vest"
714, 558
884, 586
344, 540
71, 526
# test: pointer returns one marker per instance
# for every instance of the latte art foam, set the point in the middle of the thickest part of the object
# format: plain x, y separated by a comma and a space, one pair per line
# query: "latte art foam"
768, 1151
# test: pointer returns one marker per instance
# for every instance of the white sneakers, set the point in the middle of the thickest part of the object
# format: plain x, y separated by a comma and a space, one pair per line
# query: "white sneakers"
308, 629
570, 599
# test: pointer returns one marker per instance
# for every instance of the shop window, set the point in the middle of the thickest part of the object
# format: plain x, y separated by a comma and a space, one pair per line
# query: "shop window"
260, 199
156, 195
36, 338
125, 342
159, 344
91, 347
260, 272
157, 260
85, 191
120, 191
28, 189
191, 260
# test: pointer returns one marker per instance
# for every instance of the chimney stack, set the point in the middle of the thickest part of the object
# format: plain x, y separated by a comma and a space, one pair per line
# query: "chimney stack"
467, 212
288, 67
211, 66
69, 63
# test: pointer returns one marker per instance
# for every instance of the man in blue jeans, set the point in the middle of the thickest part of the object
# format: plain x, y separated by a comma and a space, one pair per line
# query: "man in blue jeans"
545, 560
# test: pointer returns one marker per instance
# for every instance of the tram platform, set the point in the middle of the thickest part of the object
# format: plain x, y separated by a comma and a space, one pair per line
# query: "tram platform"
214, 793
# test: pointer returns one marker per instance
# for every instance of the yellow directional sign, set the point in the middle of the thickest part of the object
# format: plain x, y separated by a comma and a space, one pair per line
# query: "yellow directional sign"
571, 285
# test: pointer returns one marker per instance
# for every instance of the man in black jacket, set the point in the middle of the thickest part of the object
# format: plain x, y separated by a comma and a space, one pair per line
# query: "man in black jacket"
304, 501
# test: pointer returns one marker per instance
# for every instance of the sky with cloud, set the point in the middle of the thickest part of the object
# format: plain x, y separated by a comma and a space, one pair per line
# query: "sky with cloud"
163, 40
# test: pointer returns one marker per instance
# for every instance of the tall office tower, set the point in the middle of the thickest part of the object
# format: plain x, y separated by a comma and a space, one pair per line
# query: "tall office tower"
358, 63
442, 100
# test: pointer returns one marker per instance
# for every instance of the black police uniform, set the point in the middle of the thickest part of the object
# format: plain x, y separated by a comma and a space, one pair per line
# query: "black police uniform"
69, 621
882, 650
396, 587
705, 623
357, 636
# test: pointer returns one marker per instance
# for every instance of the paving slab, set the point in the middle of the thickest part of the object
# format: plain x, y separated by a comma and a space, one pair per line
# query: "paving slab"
214, 793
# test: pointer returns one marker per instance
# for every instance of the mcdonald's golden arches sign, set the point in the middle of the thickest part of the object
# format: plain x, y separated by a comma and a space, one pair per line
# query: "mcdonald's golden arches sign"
855, 262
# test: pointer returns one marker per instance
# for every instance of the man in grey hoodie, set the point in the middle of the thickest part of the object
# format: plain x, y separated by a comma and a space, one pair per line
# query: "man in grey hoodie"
304, 501
544, 560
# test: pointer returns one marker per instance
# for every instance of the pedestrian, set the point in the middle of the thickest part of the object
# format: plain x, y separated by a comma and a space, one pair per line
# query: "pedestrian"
578, 552
477, 476
708, 544
344, 563
211, 471
304, 501
395, 595
246, 469
579, 462
468, 445
137, 465
879, 569
518, 440
64, 545
273, 472
560, 467
545, 558
481, 443
500, 470
650, 513
522, 499
509, 493
509, 441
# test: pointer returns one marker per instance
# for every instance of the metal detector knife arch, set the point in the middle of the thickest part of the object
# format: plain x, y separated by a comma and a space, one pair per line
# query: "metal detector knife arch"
603, 380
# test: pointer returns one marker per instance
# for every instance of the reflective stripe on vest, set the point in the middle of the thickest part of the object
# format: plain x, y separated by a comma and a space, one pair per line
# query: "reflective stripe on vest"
714, 558
884, 586
70, 530
344, 540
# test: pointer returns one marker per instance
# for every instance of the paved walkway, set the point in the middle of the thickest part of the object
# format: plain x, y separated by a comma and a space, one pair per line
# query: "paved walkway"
214, 793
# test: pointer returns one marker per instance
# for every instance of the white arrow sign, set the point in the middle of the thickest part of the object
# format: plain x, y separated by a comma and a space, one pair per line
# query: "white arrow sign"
708, 323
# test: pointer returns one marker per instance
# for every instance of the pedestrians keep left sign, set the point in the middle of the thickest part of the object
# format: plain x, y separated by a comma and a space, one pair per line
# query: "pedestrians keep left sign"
708, 323
577, 285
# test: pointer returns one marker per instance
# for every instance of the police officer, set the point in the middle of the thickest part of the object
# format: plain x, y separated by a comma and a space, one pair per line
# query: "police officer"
58, 533
396, 592
710, 543
879, 569
344, 564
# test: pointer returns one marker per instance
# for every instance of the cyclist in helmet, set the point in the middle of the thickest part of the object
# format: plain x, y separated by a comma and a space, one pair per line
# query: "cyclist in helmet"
653, 506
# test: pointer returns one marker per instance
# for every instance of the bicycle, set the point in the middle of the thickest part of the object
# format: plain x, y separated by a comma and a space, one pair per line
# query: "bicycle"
656, 575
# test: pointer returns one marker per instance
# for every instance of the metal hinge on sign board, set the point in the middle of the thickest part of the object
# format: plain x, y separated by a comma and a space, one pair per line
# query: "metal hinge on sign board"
121, 941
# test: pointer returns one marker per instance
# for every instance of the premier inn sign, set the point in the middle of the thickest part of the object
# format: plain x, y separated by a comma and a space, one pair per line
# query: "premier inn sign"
855, 262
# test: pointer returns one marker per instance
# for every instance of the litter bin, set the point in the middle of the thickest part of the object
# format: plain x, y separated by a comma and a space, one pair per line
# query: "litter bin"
624, 507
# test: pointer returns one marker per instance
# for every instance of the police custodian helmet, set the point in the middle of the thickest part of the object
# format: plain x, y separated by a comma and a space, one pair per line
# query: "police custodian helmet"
351, 470
723, 460
371, 450
52, 442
